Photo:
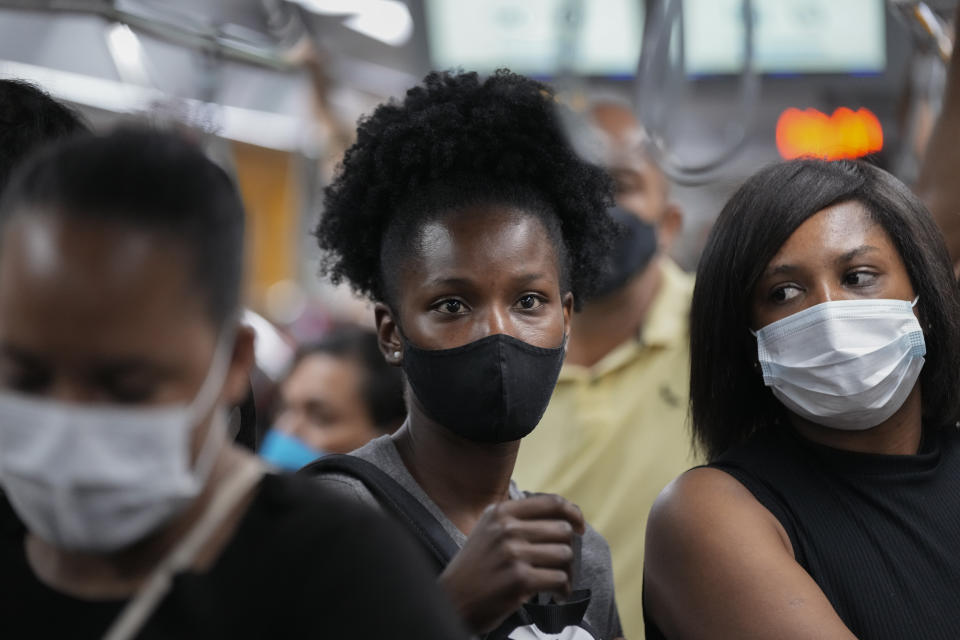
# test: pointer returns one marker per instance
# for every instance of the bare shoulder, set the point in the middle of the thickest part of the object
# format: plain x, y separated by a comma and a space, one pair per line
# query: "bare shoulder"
703, 499
720, 565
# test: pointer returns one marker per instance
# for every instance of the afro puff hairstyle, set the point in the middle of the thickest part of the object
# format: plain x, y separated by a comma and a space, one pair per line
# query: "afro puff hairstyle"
453, 142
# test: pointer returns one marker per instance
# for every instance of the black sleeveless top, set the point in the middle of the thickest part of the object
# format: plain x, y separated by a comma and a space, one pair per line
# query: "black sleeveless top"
879, 534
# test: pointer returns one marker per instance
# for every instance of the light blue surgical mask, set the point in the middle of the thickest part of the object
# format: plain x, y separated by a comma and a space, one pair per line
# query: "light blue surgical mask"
286, 451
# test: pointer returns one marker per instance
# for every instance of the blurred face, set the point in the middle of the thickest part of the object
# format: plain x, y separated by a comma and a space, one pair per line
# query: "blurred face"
103, 314
482, 272
323, 405
840, 253
641, 187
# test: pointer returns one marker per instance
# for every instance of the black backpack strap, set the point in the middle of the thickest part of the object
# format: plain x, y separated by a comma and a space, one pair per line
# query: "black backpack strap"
397, 500
412, 514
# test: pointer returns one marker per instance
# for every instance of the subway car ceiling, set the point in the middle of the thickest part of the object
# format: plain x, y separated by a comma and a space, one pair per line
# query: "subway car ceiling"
250, 68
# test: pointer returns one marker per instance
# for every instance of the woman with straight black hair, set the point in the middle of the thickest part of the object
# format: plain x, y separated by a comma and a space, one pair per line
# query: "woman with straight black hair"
825, 347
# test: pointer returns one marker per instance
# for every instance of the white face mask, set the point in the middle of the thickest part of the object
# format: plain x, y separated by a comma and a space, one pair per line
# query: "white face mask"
846, 364
97, 478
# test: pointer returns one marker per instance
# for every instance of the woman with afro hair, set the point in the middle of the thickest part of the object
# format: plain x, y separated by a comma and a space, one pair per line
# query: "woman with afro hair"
465, 215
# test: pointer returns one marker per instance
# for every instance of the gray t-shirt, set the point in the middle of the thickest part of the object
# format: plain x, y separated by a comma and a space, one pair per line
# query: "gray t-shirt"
596, 572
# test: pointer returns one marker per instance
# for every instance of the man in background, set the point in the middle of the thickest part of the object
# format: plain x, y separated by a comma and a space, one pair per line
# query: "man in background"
614, 434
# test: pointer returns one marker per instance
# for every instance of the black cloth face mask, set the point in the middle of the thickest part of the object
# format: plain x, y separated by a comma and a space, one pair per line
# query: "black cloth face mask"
632, 251
494, 389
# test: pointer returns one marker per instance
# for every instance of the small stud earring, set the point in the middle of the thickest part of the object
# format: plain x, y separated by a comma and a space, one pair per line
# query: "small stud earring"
396, 355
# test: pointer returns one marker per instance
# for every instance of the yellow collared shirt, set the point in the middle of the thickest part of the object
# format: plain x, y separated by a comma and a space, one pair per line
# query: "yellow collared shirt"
616, 433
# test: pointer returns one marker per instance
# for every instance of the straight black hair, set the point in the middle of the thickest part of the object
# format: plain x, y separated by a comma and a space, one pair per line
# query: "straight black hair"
728, 399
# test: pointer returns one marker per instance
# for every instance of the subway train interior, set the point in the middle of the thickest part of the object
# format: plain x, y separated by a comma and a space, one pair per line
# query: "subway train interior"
500, 319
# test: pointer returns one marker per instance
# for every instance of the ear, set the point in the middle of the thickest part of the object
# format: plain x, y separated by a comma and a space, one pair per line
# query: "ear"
669, 228
388, 335
567, 302
237, 382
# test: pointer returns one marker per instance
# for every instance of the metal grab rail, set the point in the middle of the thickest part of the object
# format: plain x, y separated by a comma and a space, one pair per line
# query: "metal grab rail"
664, 18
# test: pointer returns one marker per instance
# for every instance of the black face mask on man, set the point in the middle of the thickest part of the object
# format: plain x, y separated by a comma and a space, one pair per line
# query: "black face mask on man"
632, 251
494, 389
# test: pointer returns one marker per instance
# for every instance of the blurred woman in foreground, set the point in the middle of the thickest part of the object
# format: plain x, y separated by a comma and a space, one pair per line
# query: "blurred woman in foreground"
125, 510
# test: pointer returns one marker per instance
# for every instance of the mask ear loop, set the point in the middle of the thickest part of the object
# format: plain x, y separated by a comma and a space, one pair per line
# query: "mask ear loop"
216, 434
216, 375
756, 363
913, 305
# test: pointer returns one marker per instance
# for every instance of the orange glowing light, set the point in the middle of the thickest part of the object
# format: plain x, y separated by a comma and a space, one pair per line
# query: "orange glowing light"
845, 134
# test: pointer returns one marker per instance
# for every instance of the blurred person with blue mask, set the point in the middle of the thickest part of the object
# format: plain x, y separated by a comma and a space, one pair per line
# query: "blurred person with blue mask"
339, 395
614, 432
125, 511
